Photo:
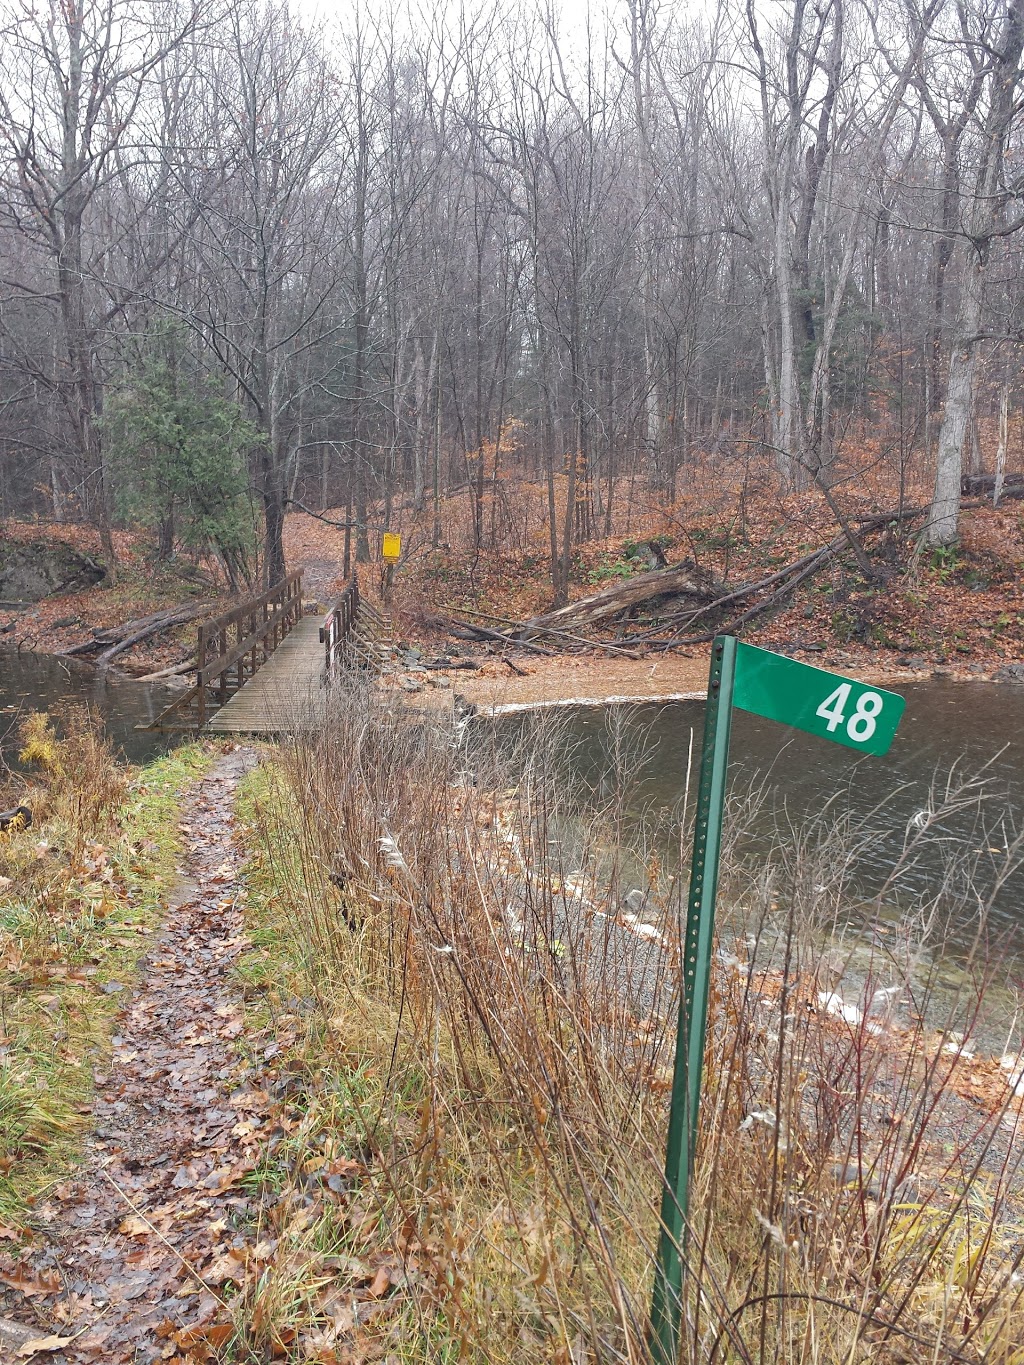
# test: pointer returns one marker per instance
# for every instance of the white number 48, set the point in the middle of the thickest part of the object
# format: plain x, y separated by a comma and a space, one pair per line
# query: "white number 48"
861, 725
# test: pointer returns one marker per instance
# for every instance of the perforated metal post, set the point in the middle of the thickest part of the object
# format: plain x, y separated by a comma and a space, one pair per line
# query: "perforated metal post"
666, 1305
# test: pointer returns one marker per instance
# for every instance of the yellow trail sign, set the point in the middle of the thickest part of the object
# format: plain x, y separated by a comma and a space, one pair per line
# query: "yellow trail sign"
391, 550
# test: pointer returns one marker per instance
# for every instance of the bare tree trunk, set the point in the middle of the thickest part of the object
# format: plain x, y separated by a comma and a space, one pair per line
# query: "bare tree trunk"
983, 219
1004, 429
424, 381
56, 496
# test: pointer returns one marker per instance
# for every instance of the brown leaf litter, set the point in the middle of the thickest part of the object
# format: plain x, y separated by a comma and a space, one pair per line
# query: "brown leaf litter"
133, 1244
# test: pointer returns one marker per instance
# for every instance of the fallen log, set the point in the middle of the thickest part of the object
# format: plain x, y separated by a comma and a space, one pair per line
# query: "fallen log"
111, 634
174, 671
463, 630
116, 639
442, 665
973, 485
564, 634
678, 580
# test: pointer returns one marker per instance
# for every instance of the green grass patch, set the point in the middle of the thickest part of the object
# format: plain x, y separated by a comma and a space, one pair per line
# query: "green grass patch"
82, 893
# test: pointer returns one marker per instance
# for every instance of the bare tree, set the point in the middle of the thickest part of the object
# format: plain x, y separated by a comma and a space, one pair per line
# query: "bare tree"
262, 234
996, 47
73, 80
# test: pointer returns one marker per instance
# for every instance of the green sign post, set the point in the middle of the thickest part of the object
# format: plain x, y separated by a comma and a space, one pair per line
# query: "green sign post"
825, 704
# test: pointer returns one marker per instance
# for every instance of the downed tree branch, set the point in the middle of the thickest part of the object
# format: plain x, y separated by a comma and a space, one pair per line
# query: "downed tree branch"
443, 665
117, 639
175, 670
568, 635
328, 521
617, 598
463, 630
814, 561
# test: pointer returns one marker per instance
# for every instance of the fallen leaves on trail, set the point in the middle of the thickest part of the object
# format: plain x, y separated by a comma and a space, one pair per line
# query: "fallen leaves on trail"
27, 1281
136, 1227
176, 1233
130, 1239
35, 1345
229, 1266
213, 1337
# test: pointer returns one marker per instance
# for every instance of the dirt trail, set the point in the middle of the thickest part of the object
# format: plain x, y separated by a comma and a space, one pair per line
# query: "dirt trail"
137, 1248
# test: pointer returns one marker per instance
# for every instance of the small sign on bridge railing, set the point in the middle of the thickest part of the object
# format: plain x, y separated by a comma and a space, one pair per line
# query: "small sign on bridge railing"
825, 704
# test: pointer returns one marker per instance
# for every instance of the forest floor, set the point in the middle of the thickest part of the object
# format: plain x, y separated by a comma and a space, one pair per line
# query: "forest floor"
956, 612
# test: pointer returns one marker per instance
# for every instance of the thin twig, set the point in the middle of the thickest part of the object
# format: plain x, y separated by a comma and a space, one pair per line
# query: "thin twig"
160, 1236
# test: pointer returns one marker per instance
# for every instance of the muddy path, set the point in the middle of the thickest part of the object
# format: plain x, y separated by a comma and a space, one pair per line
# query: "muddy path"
138, 1250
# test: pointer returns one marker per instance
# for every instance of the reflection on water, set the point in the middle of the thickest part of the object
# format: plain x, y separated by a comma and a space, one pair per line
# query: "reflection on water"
39, 682
979, 727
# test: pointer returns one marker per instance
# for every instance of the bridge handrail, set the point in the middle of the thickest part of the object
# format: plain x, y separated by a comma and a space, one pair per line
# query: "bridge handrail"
213, 668
338, 622
287, 586
269, 616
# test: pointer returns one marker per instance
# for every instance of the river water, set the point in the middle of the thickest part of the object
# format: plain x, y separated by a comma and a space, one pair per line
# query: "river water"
40, 682
967, 729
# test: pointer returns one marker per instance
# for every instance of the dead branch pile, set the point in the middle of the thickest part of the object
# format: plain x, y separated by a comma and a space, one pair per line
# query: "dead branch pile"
707, 608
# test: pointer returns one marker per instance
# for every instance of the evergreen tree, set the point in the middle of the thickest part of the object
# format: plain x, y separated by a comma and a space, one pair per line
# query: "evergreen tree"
179, 452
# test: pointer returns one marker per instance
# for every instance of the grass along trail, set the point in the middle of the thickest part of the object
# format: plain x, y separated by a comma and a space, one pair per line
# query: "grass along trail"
138, 1247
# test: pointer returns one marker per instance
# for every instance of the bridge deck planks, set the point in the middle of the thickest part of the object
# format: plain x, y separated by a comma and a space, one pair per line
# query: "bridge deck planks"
285, 694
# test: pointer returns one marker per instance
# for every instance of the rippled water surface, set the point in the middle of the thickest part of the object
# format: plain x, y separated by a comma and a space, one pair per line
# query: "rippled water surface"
39, 682
976, 728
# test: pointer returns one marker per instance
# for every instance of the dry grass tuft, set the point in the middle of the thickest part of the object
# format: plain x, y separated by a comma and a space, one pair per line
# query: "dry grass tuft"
498, 1027
79, 890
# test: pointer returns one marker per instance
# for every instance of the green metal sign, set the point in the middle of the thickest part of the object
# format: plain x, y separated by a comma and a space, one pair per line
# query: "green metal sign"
825, 704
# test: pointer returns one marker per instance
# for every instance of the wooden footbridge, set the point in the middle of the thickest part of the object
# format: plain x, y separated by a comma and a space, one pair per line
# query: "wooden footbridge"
264, 667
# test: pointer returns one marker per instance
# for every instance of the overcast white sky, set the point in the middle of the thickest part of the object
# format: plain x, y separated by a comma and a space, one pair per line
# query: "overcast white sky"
573, 14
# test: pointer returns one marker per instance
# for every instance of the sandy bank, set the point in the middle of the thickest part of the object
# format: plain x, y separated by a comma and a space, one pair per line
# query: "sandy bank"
587, 678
